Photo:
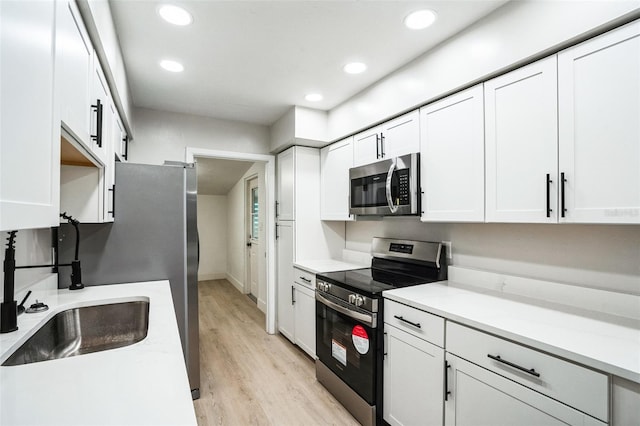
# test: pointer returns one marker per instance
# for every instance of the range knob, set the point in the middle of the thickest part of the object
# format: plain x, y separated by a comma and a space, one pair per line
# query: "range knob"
352, 299
359, 301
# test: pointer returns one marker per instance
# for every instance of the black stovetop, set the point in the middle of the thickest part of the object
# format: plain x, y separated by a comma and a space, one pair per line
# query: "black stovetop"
372, 281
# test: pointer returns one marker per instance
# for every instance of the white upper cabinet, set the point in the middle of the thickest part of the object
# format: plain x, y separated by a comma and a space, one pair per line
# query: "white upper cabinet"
74, 54
335, 162
521, 136
393, 138
599, 128
452, 158
366, 146
100, 99
286, 185
29, 129
401, 135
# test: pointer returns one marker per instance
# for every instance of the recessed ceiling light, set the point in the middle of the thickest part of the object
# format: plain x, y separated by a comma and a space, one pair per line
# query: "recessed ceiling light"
355, 68
172, 66
420, 19
313, 97
175, 15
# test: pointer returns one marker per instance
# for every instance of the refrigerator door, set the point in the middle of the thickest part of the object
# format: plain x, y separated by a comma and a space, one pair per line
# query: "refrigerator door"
153, 237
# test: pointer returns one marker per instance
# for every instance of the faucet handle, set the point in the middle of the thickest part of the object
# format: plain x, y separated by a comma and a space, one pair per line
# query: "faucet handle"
21, 305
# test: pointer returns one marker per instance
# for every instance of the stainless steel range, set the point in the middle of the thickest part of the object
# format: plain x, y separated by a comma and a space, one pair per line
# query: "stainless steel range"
349, 320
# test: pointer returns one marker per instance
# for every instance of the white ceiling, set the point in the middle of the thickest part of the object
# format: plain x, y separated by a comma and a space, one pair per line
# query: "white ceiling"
252, 60
217, 177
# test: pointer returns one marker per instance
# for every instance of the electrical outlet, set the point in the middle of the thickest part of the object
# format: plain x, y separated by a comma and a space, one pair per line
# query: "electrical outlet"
447, 244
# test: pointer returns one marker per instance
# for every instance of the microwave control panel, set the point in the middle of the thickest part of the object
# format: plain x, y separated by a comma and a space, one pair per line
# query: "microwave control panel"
403, 187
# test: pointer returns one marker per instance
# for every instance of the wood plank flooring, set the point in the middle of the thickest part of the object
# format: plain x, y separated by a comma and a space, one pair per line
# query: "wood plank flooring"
249, 377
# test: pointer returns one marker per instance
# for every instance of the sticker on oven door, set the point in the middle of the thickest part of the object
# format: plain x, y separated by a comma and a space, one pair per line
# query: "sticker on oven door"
360, 339
339, 352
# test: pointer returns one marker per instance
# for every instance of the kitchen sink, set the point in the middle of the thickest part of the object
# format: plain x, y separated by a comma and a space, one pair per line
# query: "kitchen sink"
84, 330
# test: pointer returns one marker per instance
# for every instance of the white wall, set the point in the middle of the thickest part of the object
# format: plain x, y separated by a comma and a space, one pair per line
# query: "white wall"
162, 135
237, 236
598, 256
512, 35
212, 230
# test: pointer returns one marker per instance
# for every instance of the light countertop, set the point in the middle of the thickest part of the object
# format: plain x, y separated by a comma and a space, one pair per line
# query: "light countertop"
609, 346
142, 384
319, 266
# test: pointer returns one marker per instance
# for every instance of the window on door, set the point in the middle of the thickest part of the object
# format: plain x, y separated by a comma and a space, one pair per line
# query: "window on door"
254, 214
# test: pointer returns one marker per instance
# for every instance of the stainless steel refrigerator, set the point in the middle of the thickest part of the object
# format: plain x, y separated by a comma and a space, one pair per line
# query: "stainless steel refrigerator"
153, 237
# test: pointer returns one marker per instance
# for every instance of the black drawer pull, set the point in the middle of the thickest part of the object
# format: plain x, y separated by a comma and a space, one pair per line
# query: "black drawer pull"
531, 371
306, 280
415, 324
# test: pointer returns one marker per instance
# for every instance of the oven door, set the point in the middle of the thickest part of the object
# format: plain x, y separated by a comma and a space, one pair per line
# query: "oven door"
347, 343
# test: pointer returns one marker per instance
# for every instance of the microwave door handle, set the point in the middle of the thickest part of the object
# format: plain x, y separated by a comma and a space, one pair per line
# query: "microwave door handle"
392, 207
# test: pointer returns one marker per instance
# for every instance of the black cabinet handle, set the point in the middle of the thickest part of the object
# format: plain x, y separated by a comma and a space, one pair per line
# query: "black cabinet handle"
377, 146
277, 214
112, 212
415, 324
531, 371
381, 145
562, 181
306, 280
447, 392
277, 231
293, 295
98, 136
549, 181
125, 155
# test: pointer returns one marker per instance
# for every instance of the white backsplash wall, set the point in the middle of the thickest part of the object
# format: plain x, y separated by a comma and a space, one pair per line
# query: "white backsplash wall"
597, 256
33, 247
212, 231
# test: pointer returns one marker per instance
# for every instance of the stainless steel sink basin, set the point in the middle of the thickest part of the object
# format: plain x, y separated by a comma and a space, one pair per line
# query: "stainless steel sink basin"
84, 330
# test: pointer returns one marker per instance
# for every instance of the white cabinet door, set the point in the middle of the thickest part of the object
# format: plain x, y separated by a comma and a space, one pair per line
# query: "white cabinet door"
285, 255
30, 127
401, 135
286, 185
521, 135
452, 158
75, 71
335, 162
481, 397
366, 147
100, 130
413, 380
305, 319
599, 128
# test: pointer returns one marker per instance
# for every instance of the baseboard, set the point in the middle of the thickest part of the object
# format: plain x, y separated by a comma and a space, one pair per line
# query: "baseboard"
215, 276
236, 283
262, 305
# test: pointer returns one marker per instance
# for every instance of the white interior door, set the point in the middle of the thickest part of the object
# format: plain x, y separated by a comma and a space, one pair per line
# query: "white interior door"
254, 231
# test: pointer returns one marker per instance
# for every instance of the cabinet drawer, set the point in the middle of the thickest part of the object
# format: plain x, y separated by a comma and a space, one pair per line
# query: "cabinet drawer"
304, 278
422, 324
574, 385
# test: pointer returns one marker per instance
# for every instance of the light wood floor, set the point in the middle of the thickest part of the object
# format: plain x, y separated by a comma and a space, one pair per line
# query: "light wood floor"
248, 377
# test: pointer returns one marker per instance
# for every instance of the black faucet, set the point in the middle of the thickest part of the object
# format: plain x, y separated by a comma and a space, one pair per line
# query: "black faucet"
9, 307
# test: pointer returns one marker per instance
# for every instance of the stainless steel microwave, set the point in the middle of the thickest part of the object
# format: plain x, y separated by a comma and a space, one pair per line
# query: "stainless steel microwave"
386, 188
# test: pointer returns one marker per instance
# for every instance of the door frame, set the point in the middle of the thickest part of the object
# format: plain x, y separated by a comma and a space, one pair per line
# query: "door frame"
270, 197
247, 230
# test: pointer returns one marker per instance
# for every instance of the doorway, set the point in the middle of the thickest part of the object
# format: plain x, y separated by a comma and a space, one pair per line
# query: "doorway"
252, 211
265, 247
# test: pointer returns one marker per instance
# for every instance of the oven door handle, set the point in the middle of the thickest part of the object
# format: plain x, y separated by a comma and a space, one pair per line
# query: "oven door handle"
392, 169
369, 320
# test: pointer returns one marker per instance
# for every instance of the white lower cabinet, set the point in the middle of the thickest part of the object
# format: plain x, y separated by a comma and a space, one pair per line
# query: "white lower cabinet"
481, 397
492, 381
285, 249
413, 366
305, 318
413, 380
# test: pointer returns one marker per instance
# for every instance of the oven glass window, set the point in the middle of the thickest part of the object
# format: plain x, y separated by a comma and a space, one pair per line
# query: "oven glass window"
348, 347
